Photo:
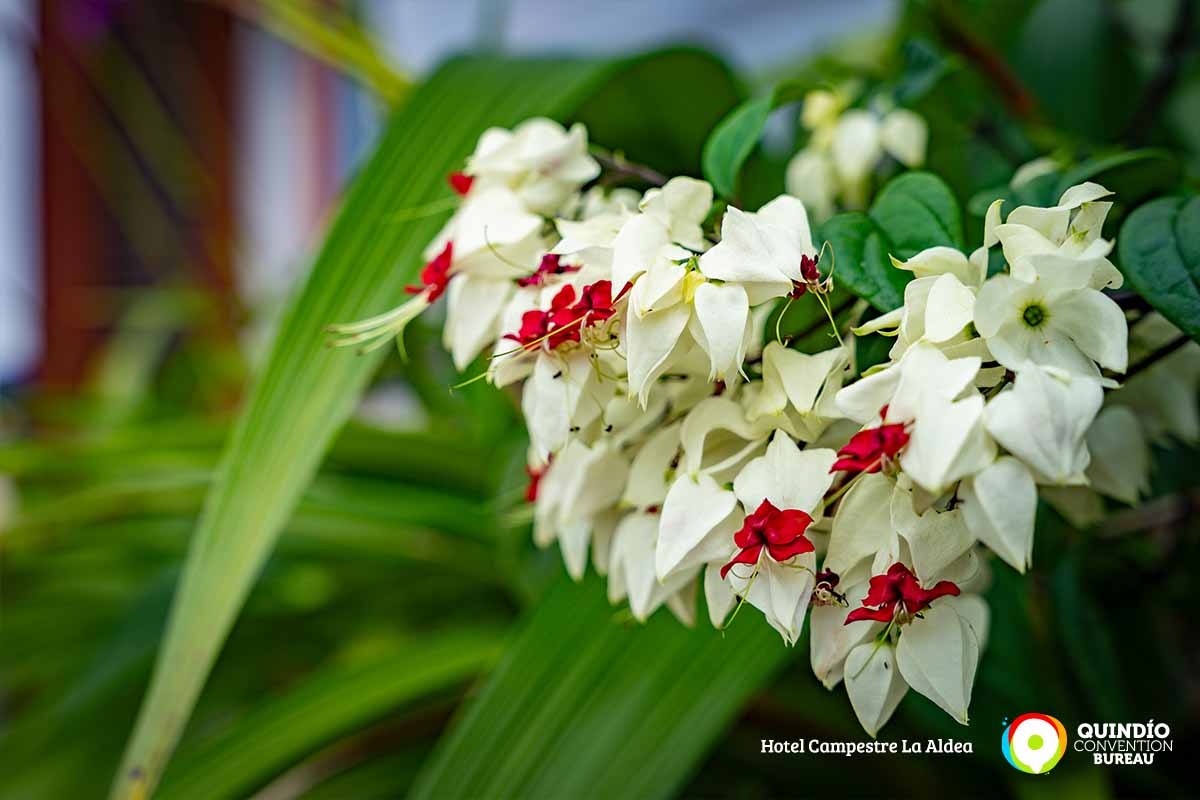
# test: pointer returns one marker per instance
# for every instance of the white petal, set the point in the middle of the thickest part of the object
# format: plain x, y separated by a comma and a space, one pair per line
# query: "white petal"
874, 684
832, 639
950, 308
648, 483
810, 178
789, 477
999, 505
1042, 421
636, 247
1095, 324
904, 136
936, 261
862, 400
1121, 460
990, 221
683, 604
935, 539
473, 307
659, 287
550, 398
937, 656
1082, 193
693, 508
717, 595
710, 414
723, 312
862, 525
649, 344
946, 442
747, 254
856, 146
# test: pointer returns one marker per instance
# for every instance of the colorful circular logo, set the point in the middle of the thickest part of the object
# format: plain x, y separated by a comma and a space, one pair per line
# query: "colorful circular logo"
1034, 743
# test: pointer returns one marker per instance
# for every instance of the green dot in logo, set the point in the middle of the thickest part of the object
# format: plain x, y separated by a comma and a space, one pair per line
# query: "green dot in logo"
1035, 742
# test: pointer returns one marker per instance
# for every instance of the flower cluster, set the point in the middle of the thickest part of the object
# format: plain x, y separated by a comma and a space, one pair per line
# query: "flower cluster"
678, 454
845, 147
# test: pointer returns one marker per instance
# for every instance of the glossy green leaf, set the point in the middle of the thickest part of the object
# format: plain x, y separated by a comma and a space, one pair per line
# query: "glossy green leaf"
1159, 248
337, 701
861, 262
732, 141
586, 706
306, 391
913, 212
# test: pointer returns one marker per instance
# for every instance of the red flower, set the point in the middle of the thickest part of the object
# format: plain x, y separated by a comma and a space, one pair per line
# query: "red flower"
867, 449
781, 532
596, 301
435, 275
534, 327
898, 587
550, 265
460, 182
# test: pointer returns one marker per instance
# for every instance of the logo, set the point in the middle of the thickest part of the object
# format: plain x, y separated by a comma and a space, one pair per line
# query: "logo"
1034, 743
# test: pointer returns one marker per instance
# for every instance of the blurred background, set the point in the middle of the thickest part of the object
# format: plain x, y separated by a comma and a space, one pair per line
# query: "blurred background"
168, 169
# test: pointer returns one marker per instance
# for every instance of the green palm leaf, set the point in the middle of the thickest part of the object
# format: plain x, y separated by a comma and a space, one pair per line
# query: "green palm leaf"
583, 706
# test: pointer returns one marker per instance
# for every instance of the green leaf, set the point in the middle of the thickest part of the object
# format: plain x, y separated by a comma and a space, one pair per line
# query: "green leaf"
584, 706
861, 263
1133, 175
913, 212
732, 141
306, 391
335, 702
1159, 247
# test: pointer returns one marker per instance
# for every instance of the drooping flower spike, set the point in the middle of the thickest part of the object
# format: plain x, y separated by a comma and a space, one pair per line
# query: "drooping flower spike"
675, 448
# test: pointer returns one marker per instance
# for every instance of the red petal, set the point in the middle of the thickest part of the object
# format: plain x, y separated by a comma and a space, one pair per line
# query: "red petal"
884, 614
747, 556
460, 182
782, 552
785, 526
917, 599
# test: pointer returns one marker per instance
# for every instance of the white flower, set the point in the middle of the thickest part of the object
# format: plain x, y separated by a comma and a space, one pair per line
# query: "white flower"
578, 485
787, 483
631, 567
1052, 319
1070, 229
937, 396
797, 389
564, 391
539, 160
1043, 419
762, 251
860, 139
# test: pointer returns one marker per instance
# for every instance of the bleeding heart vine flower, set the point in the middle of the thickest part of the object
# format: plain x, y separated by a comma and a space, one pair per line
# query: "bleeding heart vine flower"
675, 444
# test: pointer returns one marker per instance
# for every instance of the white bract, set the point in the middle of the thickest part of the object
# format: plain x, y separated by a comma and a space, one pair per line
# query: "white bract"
678, 444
